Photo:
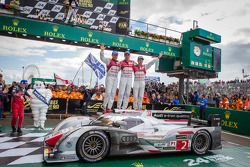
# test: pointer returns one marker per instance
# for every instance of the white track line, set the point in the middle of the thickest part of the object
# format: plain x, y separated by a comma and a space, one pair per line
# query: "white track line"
245, 137
233, 143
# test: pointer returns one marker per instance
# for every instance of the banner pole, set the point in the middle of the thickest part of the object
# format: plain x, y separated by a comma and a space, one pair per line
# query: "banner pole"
77, 72
91, 76
82, 73
67, 105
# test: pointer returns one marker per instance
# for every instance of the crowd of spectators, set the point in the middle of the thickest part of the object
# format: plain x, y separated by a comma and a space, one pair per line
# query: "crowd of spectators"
217, 93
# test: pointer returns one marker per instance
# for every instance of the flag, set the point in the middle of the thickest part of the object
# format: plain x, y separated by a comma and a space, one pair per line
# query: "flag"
60, 81
96, 66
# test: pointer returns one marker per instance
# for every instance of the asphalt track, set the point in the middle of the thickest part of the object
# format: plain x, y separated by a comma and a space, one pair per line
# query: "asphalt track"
27, 151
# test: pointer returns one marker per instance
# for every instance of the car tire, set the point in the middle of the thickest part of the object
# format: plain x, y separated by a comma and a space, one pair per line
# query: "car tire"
201, 142
92, 146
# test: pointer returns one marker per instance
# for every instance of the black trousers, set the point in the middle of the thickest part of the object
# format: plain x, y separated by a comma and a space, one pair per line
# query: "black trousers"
84, 109
202, 113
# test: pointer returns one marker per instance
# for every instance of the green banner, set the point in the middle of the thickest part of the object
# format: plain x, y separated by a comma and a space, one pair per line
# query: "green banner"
232, 120
65, 32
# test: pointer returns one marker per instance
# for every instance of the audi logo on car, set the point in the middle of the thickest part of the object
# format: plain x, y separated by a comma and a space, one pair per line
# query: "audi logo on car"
129, 139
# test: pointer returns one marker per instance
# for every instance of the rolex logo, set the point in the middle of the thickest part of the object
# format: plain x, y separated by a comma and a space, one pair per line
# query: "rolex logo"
90, 34
121, 39
169, 49
147, 44
15, 22
137, 164
227, 114
55, 28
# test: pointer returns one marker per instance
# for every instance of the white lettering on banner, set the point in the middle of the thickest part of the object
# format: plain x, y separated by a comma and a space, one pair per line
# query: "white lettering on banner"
208, 159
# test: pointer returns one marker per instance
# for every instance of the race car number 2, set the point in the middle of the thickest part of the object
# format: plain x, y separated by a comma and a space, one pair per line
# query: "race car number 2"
182, 144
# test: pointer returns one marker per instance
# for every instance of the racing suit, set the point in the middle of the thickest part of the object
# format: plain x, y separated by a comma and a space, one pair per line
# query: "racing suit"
125, 83
17, 105
113, 67
139, 83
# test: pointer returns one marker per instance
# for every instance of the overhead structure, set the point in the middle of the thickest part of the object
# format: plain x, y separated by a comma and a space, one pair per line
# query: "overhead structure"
186, 55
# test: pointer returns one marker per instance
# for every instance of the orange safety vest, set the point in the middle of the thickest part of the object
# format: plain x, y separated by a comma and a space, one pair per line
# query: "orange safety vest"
116, 98
239, 104
145, 100
224, 103
131, 99
246, 104
98, 97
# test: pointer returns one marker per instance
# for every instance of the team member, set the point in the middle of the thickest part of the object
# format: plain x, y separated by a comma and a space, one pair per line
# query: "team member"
125, 81
247, 103
224, 103
18, 94
139, 81
73, 4
203, 103
113, 67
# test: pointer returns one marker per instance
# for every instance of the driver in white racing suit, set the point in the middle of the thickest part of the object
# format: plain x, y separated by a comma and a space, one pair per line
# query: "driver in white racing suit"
125, 81
139, 81
113, 67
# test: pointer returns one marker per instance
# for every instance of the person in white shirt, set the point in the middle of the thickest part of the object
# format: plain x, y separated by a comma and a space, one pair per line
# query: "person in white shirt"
113, 68
125, 81
139, 81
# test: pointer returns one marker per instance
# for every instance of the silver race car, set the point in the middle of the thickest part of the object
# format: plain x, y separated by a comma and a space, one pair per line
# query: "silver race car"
91, 140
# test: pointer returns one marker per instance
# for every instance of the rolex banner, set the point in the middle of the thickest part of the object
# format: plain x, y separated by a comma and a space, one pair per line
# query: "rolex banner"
105, 15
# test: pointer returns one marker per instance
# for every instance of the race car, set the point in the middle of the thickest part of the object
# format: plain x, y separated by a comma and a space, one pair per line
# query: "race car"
92, 139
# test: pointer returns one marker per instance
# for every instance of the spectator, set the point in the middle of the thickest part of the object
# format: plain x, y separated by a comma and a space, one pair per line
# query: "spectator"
86, 100
203, 103
247, 103
176, 100
145, 99
97, 96
217, 100
158, 99
195, 98
224, 103
153, 99
3, 98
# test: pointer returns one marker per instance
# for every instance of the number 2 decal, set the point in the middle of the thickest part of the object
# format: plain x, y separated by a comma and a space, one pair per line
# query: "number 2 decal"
182, 144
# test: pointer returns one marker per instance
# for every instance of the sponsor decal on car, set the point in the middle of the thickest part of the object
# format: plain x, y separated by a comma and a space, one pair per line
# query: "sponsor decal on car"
160, 145
182, 144
172, 144
181, 137
168, 148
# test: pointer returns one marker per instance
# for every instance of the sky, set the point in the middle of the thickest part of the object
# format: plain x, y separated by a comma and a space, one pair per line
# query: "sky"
229, 18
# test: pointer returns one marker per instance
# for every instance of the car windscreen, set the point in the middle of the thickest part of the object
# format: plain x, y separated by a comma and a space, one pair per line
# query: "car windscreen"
130, 122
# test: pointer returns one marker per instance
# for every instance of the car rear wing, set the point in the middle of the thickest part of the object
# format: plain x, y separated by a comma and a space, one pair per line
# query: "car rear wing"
177, 117
213, 120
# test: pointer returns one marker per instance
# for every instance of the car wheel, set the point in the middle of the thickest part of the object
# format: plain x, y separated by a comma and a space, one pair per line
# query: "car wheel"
92, 146
201, 142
